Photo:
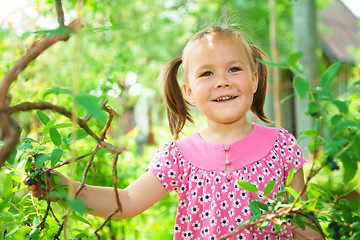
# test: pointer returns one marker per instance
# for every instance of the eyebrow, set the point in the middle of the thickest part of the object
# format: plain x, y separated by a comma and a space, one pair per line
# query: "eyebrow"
207, 66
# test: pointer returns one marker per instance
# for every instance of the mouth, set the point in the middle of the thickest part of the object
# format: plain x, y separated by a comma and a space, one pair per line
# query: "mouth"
224, 98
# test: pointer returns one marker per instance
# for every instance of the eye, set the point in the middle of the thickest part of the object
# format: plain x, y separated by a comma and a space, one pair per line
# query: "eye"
206, 74
234, 69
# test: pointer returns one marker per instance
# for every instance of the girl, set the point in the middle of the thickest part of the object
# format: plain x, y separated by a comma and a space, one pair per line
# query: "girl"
224, 80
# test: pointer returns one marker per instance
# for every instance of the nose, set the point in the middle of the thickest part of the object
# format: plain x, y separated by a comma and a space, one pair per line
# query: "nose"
222, 82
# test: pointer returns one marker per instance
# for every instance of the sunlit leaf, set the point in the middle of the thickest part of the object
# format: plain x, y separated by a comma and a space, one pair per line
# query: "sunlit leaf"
77, 204
290, 176
44, 119
55, 156
329, 74
40, 159
55, 136
269, 187
293, 58
90, 103
301, 86
247, 186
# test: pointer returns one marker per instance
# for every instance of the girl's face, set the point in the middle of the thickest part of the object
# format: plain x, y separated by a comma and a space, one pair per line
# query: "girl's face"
218, 78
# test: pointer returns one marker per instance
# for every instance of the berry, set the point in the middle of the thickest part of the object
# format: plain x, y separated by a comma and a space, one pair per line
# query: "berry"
330, 159
334, 166
30, 181
311, 216
313, 114
31, 171
336, 235
49, 174
40, 198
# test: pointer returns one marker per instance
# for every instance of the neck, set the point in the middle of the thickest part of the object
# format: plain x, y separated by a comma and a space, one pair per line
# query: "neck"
218, 133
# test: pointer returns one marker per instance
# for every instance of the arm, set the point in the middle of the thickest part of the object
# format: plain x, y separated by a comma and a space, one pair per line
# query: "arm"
136, 198
298, 184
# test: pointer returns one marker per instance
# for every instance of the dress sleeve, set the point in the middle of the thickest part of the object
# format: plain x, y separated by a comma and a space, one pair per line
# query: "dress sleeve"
165, 166
290, 152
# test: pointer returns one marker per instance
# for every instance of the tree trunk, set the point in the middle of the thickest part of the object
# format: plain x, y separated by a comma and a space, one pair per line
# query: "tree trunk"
305, 40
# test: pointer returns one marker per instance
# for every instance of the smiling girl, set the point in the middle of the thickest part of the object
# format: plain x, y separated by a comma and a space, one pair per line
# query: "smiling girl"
224, 80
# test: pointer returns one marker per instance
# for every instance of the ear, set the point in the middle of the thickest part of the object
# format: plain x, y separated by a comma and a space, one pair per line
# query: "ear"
188, 93
255, 81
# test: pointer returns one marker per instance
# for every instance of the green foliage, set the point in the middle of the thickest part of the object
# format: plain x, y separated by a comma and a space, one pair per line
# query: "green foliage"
335, 145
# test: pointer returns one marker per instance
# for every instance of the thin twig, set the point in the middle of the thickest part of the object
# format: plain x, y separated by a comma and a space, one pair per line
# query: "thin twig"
60, 13
115, 178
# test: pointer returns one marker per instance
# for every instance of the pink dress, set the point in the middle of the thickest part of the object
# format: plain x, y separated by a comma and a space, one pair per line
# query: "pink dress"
211, 204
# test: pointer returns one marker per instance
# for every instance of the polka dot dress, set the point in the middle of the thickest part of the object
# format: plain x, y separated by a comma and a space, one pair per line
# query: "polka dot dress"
211, 204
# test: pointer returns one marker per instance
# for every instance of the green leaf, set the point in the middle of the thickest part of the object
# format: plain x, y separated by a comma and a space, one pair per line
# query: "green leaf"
77, 204
355, 95
40, 159
286, 98
299, 69
80, 134
301, 86
79, 218
335, 119
324, 94
48, 125
55, 136
353, 84
356, 144
57, 91
44, 119
56, 155
290, 176
56, 180
350, 168
341, 105
254, 208
309, 132
63, 125
293, 58
329, 74
34, 234
247, 186
90, 103
28, 140
11, 158
282, 195
347, 213
284, 66
291, 191
263, 206
25, 146
8, 185
269, 187
6, 216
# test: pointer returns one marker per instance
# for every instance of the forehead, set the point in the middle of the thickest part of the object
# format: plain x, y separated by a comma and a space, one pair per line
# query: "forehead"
215, 46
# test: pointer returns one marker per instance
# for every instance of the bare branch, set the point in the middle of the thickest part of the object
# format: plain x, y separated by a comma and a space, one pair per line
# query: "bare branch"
60, 13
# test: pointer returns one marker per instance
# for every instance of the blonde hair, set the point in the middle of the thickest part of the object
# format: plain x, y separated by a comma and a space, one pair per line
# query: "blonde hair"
178, 107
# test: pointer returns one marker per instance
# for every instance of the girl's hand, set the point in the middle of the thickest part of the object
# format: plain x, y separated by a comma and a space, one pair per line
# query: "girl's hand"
34, 184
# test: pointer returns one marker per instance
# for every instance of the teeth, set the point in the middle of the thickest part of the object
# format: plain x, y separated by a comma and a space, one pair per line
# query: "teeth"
223, 98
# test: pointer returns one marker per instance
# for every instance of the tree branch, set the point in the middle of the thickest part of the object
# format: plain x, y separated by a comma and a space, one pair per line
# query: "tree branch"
8, 128
26, 106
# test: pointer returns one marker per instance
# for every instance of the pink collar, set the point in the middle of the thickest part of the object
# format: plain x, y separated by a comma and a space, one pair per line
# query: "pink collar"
211, 157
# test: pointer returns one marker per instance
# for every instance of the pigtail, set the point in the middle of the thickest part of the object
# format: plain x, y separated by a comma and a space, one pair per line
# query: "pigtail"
257, 106
177, 106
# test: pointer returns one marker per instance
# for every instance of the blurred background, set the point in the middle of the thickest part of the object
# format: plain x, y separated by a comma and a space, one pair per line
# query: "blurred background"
122, 48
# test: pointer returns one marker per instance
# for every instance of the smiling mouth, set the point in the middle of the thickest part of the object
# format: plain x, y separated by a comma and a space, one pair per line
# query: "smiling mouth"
220, 99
